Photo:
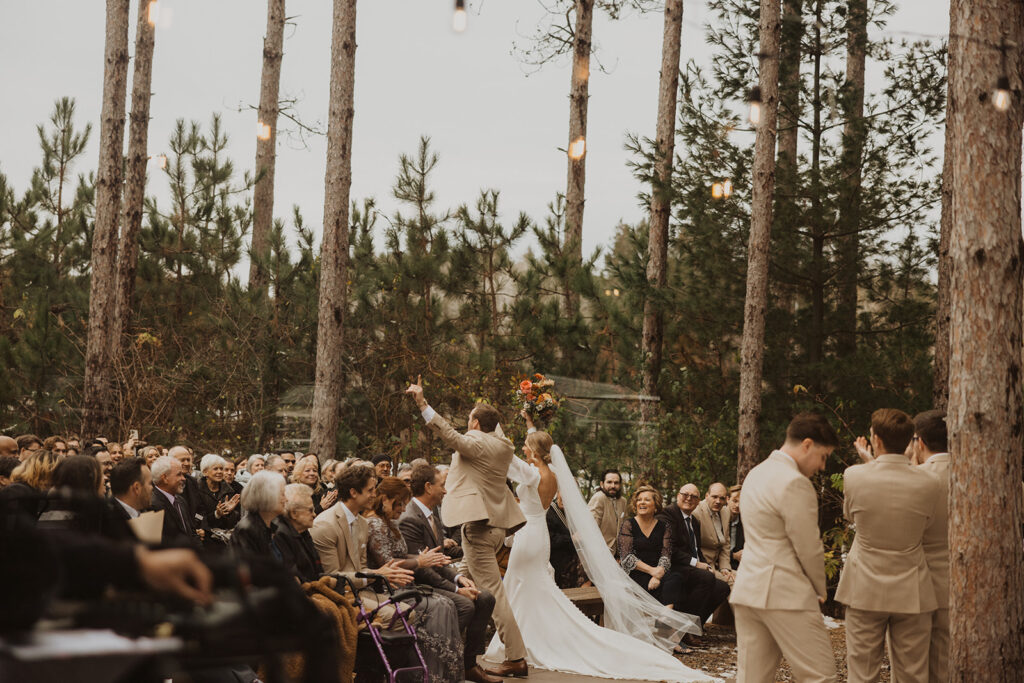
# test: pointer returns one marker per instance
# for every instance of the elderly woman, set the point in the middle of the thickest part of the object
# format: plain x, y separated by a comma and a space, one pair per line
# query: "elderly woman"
263, 501
307, 471
30, 481
217, 501
291, 534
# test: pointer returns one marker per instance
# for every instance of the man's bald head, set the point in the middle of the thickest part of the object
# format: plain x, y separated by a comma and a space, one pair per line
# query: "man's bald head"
8, 447
688, 497
717, 496
182, 455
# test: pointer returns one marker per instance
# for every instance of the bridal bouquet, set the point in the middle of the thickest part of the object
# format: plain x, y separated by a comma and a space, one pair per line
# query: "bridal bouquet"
536, 398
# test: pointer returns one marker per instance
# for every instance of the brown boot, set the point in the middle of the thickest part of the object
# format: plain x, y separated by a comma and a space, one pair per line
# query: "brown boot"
478, 675
511, 669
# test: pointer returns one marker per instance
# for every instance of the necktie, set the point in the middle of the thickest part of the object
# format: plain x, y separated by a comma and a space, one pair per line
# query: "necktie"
181, 513
438, 534
693, 536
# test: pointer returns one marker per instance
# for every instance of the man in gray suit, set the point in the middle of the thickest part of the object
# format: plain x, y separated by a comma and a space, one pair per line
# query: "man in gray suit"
422, 530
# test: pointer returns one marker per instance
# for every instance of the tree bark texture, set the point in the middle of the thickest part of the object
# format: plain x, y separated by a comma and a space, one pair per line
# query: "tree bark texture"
661, 204
854, 131
763, 191
266, 154
328, 382
789, 104
98, 387
135, 180
940, 386
985, 416
578, 101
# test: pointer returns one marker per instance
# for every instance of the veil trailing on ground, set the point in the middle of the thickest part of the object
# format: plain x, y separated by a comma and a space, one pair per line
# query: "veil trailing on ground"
628, 608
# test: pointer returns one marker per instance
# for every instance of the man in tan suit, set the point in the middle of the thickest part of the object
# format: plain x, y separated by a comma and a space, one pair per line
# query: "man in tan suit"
930, 449
781, 581
479, 500
609, 508
885, 583
714, 518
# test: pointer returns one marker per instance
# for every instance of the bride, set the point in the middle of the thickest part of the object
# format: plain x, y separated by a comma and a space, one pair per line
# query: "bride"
640, 632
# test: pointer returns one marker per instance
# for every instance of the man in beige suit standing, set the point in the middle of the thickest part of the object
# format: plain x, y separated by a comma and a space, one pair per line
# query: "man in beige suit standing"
885, 583
479, 500
781, 581
608, 508
714, 517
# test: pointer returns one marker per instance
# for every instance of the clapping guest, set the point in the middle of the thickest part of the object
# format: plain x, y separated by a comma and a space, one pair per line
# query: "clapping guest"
645, 547
217, 501
263, 500
307, 472
291, 534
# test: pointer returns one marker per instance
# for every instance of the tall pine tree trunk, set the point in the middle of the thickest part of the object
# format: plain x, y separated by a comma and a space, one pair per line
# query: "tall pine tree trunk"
986, 414
661, 204
98, 388
789, 107
940, 383
850, 191
763, 192
135, 182
578, 100
266, 156
328, 381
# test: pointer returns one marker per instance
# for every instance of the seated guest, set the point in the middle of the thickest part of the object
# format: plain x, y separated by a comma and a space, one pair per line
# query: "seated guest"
609, 507
230, 470
217, 502
168, 484
307, 472
702, 592
291, 534
106, 461
645, 547
76, 498
404, 473
7, 465
277, 463
564, 560
263, 500
713, 515
8, 447
381, 465
131, 485
444, 652
116, 452
56, 445
254, 464
30, 481
150, 454
735, 528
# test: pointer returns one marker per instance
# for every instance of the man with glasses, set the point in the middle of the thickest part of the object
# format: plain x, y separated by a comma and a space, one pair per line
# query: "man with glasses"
289, 462
702, 591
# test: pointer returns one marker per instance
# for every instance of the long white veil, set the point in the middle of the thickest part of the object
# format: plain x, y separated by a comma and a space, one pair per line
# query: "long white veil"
628, 608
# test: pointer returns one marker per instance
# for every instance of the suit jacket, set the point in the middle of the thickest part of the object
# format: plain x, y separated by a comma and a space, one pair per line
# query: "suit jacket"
714, 547
176, 532
783, 564
419, 534
736, 522
608, 513
936, 537
298, 554
476, 480
893, 506
339, 550
682, 542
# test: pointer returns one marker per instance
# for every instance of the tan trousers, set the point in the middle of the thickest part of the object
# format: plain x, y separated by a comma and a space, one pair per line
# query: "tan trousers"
480, 543
764, 636
865, 644
938, 649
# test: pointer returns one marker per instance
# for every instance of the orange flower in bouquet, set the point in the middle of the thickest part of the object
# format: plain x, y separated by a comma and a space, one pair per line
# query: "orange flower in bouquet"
536, 397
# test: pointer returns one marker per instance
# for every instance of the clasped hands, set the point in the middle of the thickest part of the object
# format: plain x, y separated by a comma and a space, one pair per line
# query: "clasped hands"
657, 574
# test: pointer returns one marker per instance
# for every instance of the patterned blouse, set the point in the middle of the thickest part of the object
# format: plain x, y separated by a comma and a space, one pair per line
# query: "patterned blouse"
634, 546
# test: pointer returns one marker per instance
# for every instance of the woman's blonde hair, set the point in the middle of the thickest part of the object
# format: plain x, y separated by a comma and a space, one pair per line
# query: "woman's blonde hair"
540, 443
659, 504
37, 470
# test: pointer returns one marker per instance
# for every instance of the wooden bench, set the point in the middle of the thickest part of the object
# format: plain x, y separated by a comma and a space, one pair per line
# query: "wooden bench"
589, 601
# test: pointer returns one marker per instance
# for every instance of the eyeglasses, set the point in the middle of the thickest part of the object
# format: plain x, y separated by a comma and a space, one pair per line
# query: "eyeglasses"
688, 495
290, 461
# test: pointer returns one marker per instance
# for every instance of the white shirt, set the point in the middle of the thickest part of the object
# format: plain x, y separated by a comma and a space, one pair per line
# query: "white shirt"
132, 512
352, 517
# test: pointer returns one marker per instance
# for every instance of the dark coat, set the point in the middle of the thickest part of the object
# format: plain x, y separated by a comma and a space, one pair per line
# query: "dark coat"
298, 553
177, 532
251, 537
208, 500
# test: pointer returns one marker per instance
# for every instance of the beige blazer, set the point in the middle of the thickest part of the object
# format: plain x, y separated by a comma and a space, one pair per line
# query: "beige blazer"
783, 565
476, 480
936, 537
892, 506
339, 550
608, 513
715, 548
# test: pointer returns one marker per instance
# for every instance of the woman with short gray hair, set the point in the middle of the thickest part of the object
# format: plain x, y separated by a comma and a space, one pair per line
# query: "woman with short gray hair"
291, 534
217, 501
263, 500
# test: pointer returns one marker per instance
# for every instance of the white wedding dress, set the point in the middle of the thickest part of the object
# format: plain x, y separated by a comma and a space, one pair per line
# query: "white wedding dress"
557, 634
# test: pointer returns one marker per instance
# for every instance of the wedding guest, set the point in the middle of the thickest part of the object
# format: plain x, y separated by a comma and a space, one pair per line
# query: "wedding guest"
8, 447
116, 452
168, 484
230, 472
307, 472
150, 454
76, 500
56, 445
713, 515
263, 501
404, 473
289, 462
564, 559
381, 465
27, 445
217, 502
291, 534
30, 481
645, 547
106, 461
276, 463
327, 472
131, 485
7, 465
609, 507
735, 528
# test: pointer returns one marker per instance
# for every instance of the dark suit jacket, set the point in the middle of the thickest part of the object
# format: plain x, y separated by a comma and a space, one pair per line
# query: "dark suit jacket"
682, 550
116, 526
297, 551
175, 533
738, 521
419, 535
562, 549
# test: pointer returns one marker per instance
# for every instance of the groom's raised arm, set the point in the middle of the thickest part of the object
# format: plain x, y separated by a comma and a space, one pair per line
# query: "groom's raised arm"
467, 447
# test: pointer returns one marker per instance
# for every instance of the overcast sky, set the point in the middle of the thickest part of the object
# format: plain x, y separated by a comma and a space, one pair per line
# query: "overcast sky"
493, 125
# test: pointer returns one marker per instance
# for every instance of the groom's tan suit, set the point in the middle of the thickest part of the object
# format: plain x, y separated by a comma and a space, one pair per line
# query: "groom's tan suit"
479, 500
775, 596
886, 584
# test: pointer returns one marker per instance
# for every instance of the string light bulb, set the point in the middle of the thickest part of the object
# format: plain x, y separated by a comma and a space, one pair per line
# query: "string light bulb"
1001, 95
262, 131
153, 12
577, 148
717, 191
755, 105
726, 188
459, 18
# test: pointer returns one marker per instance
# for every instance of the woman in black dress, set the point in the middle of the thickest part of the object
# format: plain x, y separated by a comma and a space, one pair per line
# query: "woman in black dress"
645, 547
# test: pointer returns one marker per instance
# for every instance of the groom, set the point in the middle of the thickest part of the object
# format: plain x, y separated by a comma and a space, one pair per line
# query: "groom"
479, 500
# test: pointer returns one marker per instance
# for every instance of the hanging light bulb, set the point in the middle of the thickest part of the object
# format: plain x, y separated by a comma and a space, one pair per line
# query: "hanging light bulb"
262, 131
755, 105
577, 148
153, 13
616, 292
726, 188
717, 190
1001, 95
459, 18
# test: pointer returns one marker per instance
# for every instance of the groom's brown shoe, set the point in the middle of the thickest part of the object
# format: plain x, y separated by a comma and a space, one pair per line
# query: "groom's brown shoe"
478, 675
511, 669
